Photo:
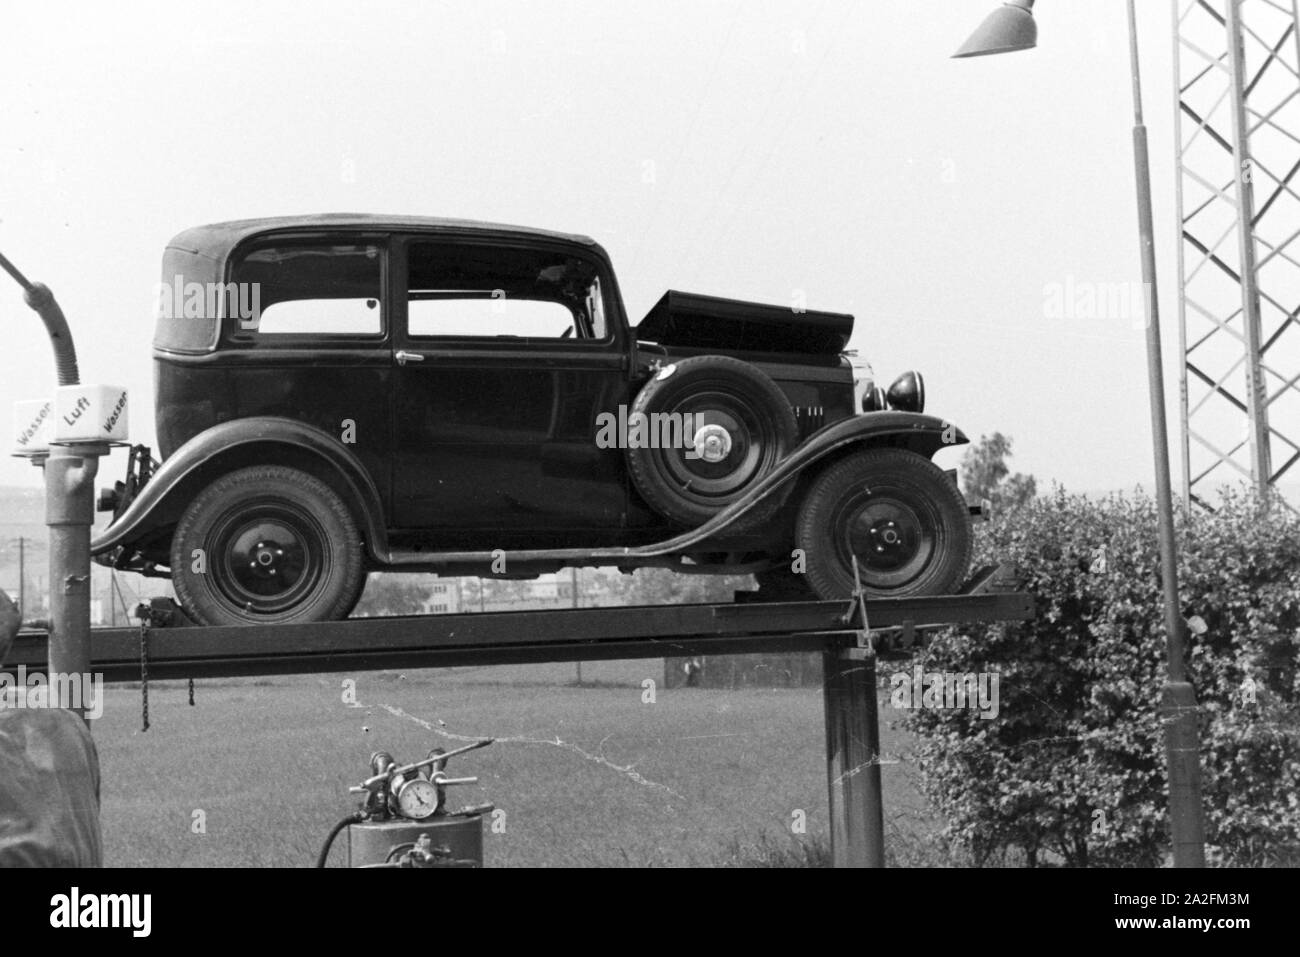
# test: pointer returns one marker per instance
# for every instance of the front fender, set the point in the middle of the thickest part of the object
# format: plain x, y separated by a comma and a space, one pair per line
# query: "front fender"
920, 433
140, 516
923, 434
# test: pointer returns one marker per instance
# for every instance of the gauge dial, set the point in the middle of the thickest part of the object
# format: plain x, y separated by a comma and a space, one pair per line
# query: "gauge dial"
417, 799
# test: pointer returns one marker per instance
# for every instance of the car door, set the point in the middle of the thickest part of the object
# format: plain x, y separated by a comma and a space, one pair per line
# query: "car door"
316, 347
503, 360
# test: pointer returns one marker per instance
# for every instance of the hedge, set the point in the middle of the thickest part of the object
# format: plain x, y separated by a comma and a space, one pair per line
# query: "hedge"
1072, 768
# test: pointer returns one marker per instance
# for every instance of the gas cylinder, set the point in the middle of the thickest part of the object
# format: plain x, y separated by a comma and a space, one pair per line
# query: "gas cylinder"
445, 840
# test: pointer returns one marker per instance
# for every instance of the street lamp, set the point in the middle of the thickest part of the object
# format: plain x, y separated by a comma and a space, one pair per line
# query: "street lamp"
1010, 28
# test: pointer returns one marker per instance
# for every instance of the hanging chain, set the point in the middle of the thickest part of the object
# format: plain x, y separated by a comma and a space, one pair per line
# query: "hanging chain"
143, 613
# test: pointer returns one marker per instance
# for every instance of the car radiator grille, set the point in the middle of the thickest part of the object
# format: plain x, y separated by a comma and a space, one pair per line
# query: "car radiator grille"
810, 418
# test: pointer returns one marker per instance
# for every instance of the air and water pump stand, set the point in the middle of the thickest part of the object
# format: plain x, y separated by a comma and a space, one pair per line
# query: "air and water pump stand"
403, 821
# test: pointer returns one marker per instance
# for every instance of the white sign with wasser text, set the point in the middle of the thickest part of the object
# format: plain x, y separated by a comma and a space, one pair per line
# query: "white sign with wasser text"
33, 426
90, 413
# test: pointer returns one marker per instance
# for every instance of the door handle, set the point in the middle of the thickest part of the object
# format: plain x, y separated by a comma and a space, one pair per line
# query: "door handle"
403, 357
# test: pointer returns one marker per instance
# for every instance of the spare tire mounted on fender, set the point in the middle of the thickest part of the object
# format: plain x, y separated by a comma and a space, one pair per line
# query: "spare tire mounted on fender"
736, 426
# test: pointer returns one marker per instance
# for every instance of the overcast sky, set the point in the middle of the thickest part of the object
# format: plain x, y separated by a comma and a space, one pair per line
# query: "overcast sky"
751, 150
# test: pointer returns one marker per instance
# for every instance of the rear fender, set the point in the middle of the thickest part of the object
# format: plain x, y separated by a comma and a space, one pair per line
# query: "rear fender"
227, 446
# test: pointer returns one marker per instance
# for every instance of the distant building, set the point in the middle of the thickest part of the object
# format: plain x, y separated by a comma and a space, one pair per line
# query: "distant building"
444, 597
545, 591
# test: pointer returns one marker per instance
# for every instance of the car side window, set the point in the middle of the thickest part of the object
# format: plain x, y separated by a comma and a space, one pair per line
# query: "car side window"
300, 289
435, 312
489, 292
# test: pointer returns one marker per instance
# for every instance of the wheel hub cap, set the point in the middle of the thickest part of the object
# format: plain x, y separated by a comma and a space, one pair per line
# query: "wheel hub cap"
885, 536
890, 534
712, 443
266, 558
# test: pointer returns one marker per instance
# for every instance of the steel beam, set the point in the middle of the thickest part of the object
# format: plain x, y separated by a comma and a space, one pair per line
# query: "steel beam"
370, 644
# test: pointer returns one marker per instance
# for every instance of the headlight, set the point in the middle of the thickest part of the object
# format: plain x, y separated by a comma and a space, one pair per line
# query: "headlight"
907, 394
864, 378
873, 399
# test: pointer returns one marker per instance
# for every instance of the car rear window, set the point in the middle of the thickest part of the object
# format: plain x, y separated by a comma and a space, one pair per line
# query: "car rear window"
307, 289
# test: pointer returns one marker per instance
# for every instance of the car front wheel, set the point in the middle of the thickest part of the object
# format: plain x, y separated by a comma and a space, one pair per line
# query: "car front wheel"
898, 514
267, 545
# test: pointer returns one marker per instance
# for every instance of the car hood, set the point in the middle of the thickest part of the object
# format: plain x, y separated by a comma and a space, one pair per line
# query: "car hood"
708, 322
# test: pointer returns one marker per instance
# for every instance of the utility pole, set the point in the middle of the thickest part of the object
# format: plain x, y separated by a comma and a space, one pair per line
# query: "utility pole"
22, 576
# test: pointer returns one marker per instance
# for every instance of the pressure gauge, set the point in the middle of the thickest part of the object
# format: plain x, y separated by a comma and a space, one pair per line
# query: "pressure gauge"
417, 799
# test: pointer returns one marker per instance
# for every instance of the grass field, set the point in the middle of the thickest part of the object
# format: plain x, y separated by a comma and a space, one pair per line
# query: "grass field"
586, 775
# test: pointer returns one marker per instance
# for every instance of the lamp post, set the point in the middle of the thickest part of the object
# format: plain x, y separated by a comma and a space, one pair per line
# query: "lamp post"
1009, 28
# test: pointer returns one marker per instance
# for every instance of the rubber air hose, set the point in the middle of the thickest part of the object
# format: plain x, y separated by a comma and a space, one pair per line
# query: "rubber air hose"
38, 296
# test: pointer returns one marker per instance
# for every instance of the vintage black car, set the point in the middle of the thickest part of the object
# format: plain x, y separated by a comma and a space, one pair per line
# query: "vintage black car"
341, 394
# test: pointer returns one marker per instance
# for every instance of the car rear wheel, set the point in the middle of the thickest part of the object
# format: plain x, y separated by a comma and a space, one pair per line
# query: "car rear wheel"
740, 427
267, 545
898, 514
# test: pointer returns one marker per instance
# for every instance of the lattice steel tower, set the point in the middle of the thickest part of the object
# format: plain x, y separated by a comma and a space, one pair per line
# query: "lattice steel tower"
1237, 75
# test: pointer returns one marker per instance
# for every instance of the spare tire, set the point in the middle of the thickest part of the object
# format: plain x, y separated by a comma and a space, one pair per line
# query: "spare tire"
741, 426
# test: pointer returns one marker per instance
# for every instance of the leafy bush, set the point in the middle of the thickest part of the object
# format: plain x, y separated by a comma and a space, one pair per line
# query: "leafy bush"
1073, 765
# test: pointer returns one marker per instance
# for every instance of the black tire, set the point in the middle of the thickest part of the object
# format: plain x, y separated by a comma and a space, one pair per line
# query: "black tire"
899, 513
259, 528
728, 395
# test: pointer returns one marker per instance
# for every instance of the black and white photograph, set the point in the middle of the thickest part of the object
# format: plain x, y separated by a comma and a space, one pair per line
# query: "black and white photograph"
730, 434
